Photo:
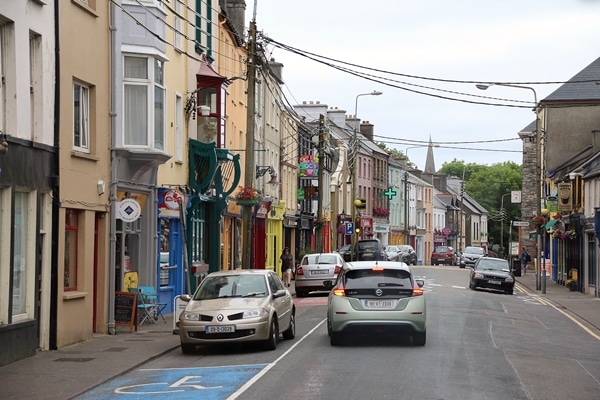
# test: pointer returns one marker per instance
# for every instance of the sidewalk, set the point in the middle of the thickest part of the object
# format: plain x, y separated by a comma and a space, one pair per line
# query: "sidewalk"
585, 307
71, 371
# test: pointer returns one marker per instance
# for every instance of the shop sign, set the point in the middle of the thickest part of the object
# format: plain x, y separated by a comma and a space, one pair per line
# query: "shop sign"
128, 210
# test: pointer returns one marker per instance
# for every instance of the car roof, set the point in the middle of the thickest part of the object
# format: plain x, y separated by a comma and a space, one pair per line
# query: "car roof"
356, 265
322, 254
230, 272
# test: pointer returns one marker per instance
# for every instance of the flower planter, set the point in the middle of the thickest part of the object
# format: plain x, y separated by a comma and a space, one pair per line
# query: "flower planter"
247, 202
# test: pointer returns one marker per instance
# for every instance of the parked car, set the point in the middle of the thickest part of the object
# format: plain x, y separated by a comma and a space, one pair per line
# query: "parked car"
376, 298
249, 305
367, 250
409, 255
344, 251
442, 255
393, 253
492, 273
470, 256
316, 269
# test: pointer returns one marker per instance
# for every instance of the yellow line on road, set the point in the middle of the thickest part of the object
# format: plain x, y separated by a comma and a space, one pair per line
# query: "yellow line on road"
547, 302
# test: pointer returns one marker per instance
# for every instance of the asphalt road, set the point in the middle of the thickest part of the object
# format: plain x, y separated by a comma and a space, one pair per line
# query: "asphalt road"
480, 345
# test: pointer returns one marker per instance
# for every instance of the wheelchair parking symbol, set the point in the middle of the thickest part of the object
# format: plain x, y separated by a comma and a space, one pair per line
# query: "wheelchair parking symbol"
184, 383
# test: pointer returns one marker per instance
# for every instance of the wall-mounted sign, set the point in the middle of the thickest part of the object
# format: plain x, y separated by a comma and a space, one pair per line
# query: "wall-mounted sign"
309, 166
128, 210
564, 196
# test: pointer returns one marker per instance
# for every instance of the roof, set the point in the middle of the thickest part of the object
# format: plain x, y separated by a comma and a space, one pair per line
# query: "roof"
353, 265
582, 86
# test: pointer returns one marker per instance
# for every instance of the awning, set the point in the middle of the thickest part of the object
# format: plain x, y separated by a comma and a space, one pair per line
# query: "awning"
551, 223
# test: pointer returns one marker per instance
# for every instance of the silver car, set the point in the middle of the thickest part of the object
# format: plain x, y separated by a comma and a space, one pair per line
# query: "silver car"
238, 306
315, 271
376, 298
470, 256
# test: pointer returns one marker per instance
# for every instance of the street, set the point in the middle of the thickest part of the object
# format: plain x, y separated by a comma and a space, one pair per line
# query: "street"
480, 345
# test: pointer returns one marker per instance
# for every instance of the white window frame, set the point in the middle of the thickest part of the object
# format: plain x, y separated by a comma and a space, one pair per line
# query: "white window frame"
81, 117
154, 124
29, 260
178, 26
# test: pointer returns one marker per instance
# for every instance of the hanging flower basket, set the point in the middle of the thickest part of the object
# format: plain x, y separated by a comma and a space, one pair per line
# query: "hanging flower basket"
247, 202
381, 212
247, 196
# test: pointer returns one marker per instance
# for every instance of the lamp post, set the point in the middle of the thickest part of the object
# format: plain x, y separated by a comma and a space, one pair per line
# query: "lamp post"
502, 222
355, 147
540, 171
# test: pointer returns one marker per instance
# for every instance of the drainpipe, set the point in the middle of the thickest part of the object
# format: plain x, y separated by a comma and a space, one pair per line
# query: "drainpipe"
113, 183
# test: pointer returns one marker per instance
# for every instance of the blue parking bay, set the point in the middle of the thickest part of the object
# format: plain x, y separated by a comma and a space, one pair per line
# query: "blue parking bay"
182, 383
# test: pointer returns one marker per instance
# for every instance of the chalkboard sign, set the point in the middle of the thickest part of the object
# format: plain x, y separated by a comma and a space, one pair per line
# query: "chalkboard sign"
125, 309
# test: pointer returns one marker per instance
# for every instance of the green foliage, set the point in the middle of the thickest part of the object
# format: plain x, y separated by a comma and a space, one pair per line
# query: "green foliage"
396, 154
486, 184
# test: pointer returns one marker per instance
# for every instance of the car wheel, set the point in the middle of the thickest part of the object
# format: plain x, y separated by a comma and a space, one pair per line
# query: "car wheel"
300, 293
471, 286
509, 291
419, 339
290, 333
335, 339
187, 348
271, 342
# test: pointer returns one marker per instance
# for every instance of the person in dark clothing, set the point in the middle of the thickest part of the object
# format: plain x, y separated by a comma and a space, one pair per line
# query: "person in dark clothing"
287, 263
525, 258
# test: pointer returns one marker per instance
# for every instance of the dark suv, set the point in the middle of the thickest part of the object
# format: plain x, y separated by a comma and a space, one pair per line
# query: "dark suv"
367, 250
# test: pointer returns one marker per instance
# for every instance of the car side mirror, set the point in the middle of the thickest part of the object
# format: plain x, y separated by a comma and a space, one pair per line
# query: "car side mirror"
327, 285
185, 297
420, 282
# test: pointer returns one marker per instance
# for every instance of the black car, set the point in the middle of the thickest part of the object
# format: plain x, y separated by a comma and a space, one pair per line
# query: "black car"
492, 273
344, 251
367, 250
409, 255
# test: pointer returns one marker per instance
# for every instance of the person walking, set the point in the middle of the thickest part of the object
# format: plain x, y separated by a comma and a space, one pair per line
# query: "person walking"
287, 263
525, 258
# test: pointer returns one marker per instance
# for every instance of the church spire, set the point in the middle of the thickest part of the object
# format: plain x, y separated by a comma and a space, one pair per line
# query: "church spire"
429, 162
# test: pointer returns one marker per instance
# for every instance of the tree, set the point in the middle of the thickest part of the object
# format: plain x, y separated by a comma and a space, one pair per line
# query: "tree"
487, 184
396, 154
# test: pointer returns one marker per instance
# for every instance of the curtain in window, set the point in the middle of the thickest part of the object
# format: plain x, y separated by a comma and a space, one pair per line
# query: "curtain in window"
136, 115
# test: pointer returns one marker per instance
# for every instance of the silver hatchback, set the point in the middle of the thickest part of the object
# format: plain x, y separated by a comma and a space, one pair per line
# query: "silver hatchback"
317, 270
376, 298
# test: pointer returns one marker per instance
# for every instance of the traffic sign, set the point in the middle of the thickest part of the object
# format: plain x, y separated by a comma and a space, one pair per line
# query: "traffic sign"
523, 224
349, 228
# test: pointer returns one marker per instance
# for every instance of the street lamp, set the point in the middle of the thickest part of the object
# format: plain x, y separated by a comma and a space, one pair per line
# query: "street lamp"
540, 176
502, 222
355, 147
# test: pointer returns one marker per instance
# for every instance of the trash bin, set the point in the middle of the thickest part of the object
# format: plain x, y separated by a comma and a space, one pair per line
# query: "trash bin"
516, 267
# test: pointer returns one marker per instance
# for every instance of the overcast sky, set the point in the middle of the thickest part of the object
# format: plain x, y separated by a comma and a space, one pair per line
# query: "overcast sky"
410, 48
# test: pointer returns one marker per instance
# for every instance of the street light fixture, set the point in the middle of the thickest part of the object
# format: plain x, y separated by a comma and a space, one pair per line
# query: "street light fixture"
355, 147
539, 283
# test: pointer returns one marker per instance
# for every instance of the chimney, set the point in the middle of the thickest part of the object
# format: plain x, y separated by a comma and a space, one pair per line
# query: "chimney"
276, 70
367, 129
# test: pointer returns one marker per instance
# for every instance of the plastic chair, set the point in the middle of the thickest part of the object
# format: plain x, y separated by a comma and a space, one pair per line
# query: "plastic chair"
151, 297
146, 311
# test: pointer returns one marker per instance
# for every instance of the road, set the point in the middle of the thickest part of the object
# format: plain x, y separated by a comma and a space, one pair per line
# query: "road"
480, 345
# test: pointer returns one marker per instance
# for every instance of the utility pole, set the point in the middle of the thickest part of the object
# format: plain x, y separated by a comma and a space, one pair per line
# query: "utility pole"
406, 233
250, 169
320, 217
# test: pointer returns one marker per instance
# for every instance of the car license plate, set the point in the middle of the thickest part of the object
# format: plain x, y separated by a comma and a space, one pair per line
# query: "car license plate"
495, 282
379, 304
220, 329
319, 272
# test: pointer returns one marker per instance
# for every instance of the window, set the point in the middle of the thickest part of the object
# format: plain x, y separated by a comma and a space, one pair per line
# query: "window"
2, 79
23, 268
70, 260
178, 26
144, 87
178, 128
81, 117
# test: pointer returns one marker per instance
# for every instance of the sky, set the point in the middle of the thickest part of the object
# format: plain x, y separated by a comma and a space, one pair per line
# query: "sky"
426, 56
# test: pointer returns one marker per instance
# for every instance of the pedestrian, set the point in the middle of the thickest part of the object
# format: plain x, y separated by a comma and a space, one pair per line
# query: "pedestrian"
525, 258
287, 263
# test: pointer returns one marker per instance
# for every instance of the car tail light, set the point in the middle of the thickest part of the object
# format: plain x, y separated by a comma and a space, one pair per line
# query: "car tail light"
377, 269
337, 269
417, 291
299, 271
339, 291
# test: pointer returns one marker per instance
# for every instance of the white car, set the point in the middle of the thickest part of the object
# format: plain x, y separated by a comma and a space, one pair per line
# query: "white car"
315, 271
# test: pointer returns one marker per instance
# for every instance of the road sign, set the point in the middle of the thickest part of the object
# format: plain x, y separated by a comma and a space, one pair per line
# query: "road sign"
523, 224
349, 228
